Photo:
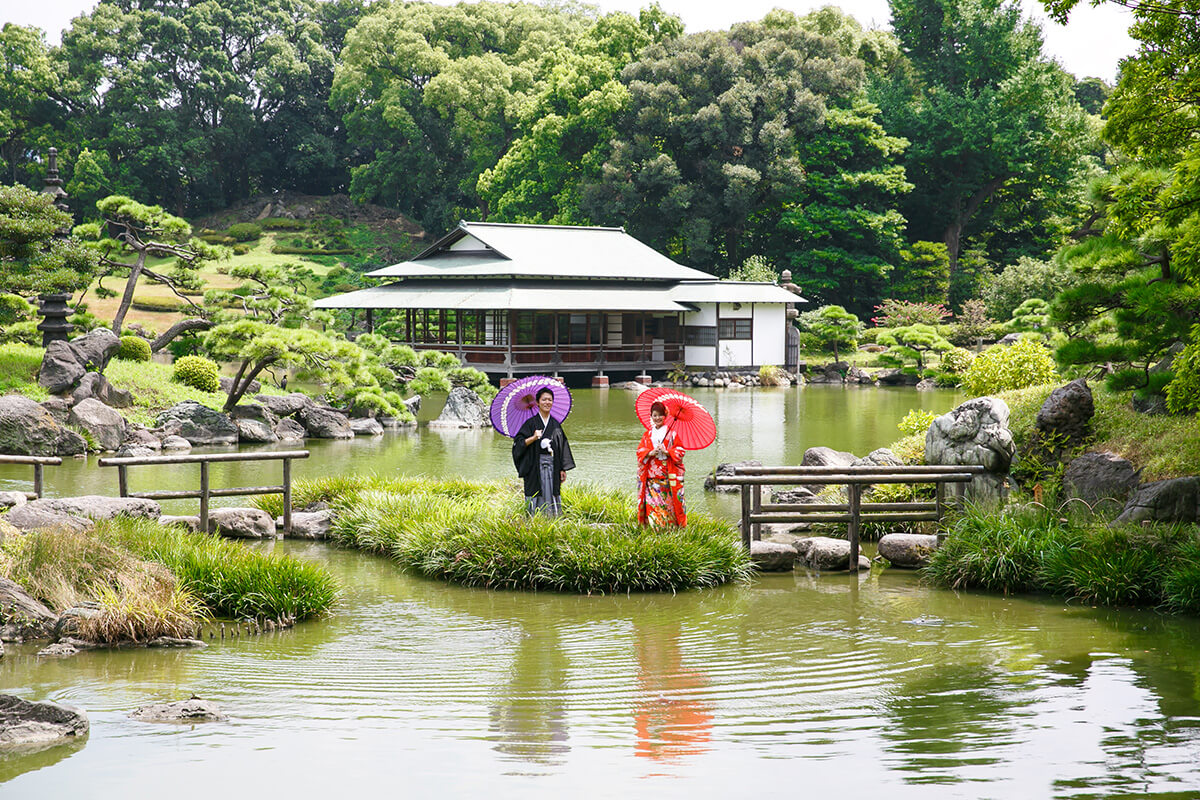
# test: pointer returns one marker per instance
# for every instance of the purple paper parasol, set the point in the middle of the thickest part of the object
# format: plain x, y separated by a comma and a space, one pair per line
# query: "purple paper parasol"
515, 403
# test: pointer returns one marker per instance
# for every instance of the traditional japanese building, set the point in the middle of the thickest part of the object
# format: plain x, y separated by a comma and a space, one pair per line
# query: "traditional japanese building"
521, 299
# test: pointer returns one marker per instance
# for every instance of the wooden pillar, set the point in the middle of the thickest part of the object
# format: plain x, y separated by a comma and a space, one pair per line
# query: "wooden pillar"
287, 497
123, 480
204, 495
756, 528
747, 536
855, 522
370, 320
717, 340
752, 361
37, 480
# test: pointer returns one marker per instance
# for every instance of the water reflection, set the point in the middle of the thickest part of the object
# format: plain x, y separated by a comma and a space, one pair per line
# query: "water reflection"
671, 718
529, 717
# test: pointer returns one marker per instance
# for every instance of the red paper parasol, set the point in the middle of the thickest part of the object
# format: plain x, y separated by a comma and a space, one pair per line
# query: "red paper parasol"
693, 425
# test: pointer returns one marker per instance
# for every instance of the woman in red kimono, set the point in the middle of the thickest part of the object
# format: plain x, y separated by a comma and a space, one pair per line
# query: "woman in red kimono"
660, 474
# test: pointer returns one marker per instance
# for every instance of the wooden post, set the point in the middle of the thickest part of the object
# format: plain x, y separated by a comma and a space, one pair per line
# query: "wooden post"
204, 495
370, 320
287, 497
37, 480
960, 495
746, 536
123, 480
938, 490
855, 510
756, 528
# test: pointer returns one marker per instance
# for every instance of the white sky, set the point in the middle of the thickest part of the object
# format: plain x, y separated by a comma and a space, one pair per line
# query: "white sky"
1094, 41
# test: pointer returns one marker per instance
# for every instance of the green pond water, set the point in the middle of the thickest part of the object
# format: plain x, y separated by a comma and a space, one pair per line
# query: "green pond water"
863, 685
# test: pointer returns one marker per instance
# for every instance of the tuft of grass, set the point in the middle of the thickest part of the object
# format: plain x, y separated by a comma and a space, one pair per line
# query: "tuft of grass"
342, 490
478, 535
1032, 549
229, 579
139, 614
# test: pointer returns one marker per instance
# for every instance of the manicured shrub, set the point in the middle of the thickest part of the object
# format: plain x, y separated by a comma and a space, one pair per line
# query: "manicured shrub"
473, 379
1000, 368
156, 304
244, 232
134, 348
770, 375
428, 380
436, 358
25, 332
199, 373
14, 308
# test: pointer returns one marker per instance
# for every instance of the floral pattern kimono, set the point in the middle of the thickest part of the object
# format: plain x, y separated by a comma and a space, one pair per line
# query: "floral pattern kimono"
660, 484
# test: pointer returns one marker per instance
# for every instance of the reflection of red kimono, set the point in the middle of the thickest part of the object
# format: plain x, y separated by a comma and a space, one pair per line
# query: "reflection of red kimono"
660, 484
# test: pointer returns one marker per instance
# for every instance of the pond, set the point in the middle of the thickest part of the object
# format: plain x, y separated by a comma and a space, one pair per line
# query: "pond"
861, 684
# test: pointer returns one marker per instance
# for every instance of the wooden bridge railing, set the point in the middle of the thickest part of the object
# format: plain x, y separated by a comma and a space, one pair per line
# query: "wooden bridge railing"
854, 512
206, 492
39, 463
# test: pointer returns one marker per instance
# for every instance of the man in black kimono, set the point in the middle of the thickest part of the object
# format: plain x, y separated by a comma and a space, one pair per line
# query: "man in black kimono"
542, 456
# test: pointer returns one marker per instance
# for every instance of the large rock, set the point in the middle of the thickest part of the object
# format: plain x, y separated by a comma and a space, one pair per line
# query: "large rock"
191, 710
896, 377
192, 523
68, 622
413, 404
325, 423
366, 426
829, 373
908, 550
95, 385
99, 507
827, 457
10, 499
1099, 477
105, 425
65, 363
137, 436
59, 408
1063, 420
26, 723
974, 433
724, 470
825, 554
197, 423
96, 348
463, 409
288, 430
309, 524
173, 443
60, 370
255, 431
1174, 500
241, 523
860, 376
773, 556
287, 405
882, 457
28, 429
255, 411
30, 517
20, 608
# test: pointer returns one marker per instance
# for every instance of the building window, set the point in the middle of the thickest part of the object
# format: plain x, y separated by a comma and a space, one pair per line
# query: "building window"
735, 329
700, 335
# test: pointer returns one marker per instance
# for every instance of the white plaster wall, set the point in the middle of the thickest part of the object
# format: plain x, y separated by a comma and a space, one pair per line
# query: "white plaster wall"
695, 356
729, 312
769, 334
706, 314
735, 352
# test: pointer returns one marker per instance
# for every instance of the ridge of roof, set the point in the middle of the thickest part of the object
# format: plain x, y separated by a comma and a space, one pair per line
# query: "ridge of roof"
465, 224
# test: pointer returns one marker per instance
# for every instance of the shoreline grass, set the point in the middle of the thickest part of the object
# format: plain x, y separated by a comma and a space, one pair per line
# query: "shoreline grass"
151, 580
1031, 549
477, 534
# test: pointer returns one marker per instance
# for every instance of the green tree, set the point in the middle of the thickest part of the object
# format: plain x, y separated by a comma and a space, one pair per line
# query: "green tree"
707, 152
924, 273
991, 121
912, 343
833, 326
755, 268
197, 104
30, 78
130, 229
35, 257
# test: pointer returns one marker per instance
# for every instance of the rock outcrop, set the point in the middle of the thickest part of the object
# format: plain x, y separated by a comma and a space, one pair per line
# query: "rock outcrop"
104, 424
26, 723
197, 423
825, 554
94, 385
28, 429
463, 409
30, 616
974, 433
325, 423
724, 470
241, 523
191, 710
908, 550
773, 556
1174, 500
32, 518
65, 363
1100, 479
98, 507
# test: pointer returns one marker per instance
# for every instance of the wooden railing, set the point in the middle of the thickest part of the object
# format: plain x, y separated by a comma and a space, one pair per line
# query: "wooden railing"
854, 512
39, 463
206, 492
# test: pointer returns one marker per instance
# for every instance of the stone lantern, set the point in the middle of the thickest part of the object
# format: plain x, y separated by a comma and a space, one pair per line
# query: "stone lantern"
53, 307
